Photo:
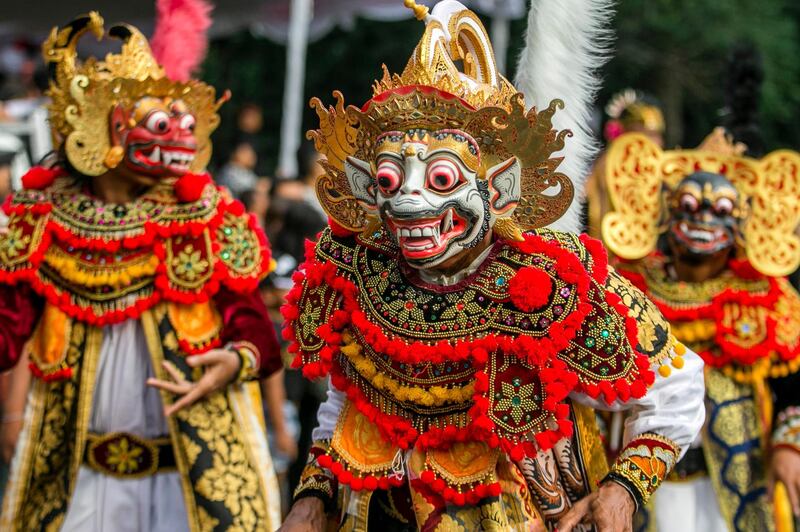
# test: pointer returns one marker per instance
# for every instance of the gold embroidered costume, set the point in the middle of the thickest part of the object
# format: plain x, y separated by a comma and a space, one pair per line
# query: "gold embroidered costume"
461, 400
718, 205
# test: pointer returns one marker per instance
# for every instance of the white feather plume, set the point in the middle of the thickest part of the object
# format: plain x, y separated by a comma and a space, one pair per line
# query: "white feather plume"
566, 43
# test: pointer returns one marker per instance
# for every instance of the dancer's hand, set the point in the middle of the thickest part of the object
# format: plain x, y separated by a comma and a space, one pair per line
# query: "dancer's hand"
306, 515
610, 509
785, 468
221, 366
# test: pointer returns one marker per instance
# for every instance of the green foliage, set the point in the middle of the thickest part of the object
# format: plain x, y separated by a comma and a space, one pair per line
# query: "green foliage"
677, 50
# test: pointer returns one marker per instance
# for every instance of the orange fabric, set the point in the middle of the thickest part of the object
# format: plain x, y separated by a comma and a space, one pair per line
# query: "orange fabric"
464, 459
360, 439
196, 323
49, 341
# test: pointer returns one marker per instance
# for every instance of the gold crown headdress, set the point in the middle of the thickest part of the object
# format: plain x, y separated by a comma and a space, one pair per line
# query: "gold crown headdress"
84, 93
637, 169
629, 108
432, 93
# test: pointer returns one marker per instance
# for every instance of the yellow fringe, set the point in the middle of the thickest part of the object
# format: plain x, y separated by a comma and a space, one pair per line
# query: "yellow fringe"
71, 270
434, 396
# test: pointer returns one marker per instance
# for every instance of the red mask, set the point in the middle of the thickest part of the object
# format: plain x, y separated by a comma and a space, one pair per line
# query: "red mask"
157, 136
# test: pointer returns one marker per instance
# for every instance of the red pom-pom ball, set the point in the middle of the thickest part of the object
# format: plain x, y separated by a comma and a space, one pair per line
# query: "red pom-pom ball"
39, 177
189, 187
530, 289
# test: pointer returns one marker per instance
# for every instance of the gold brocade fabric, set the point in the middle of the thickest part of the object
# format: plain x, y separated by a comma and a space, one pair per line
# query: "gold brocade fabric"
735, 454
39, 492
225, 486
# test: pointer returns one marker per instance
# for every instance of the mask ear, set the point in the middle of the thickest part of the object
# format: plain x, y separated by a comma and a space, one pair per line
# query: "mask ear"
359, 176
505, 186
116, 125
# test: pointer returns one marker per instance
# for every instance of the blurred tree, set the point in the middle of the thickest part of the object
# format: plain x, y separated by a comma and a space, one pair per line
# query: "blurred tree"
252, 68
677, 50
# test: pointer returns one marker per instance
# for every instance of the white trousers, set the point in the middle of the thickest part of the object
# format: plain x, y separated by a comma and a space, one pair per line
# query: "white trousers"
689, 506
123, 402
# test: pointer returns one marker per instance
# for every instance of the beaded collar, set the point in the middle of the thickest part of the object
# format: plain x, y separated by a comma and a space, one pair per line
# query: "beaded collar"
104, 263
491, 359
741, 321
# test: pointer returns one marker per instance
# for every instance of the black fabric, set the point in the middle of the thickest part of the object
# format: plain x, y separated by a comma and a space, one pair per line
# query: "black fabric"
692, 463
785, 392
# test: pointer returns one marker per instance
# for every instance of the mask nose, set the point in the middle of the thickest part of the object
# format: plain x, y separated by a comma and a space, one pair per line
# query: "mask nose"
410, 190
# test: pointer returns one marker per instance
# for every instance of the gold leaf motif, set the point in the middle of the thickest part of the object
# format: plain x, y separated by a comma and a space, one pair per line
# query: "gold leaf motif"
634, 186
431, 94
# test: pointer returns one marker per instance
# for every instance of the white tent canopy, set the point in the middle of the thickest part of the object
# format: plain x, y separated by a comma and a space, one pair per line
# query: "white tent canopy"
266, 17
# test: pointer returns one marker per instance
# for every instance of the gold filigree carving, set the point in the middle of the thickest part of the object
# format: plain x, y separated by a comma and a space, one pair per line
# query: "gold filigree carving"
433, 94
637, 170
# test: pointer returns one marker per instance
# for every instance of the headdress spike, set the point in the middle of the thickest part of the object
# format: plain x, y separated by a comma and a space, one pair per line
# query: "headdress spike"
420, 12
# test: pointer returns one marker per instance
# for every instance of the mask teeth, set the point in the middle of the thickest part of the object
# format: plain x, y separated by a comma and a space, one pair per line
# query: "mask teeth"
436, 235
447, 223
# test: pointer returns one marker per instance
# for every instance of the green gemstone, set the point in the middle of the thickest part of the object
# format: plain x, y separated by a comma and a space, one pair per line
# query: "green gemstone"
225, 255
227, 230
516, 381
516, 401
604, 333
589, 342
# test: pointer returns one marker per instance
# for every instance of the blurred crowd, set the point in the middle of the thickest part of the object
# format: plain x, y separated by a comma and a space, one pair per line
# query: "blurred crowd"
289, 211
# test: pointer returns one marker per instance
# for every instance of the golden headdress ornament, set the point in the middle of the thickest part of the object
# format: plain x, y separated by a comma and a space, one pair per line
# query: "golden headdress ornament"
637, 170
433, 93
84, 93
629, 107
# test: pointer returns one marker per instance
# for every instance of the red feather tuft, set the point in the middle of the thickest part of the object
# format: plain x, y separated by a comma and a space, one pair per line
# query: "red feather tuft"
179, 41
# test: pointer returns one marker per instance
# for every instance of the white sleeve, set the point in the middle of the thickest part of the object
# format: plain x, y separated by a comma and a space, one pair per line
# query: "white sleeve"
328, 414
674, 406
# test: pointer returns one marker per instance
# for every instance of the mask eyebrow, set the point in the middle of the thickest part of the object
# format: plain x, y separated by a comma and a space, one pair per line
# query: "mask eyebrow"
454, 157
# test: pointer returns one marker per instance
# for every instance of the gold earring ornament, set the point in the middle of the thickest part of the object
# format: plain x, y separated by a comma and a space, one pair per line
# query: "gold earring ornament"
114, 157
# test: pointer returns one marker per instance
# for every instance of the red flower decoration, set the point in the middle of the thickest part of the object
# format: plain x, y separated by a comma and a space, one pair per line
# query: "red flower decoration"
530, 289
189, 187
39, 177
